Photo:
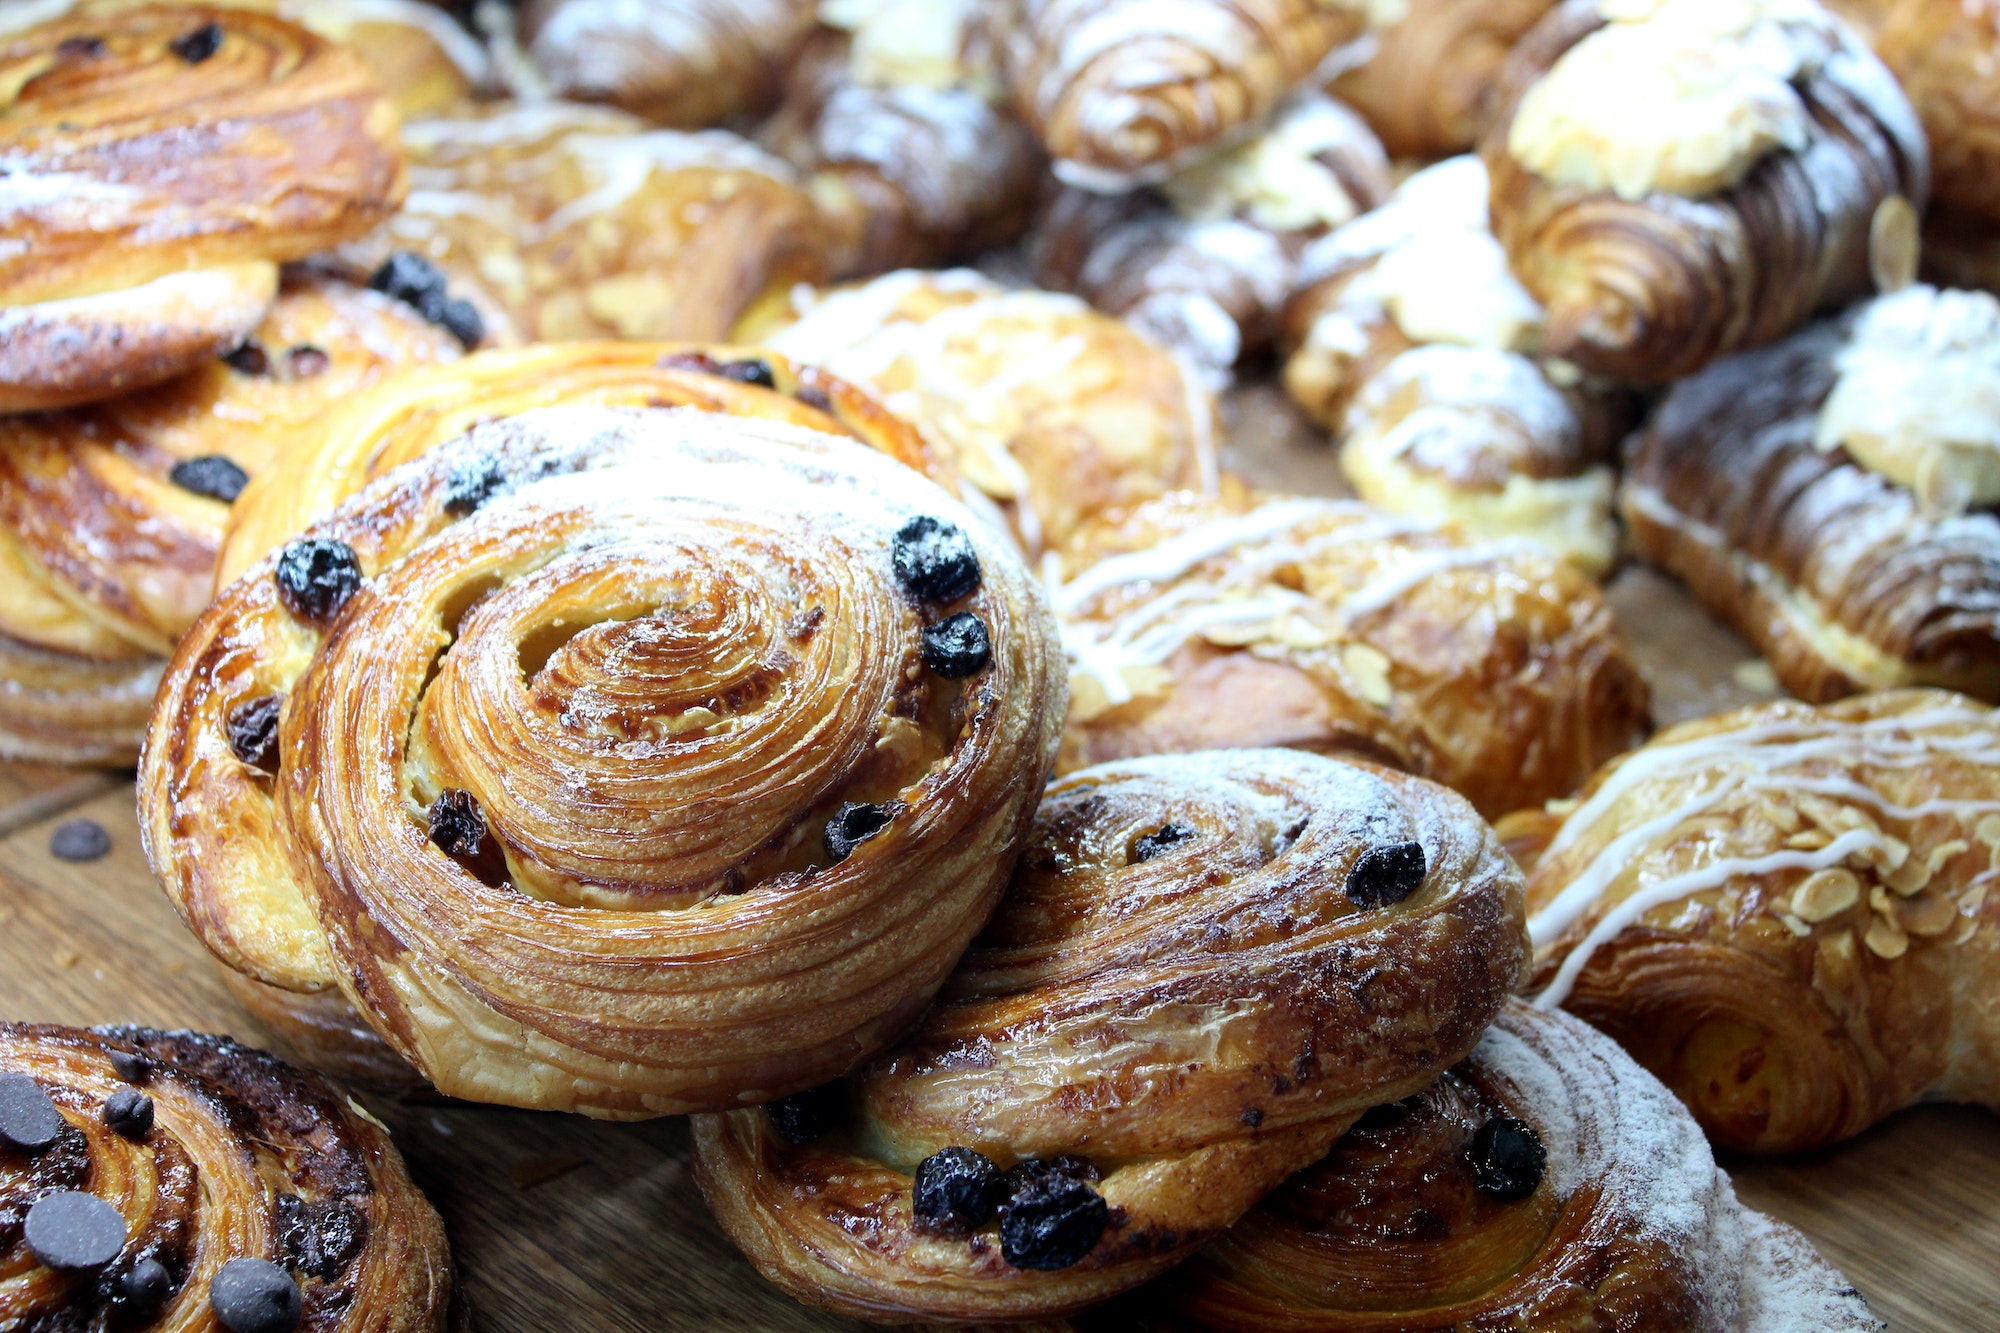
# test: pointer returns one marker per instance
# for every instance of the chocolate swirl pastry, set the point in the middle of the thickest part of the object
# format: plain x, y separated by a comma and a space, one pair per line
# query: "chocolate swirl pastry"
1671, 197
160, 163
1783, 912
628, 762
1545, 1182
111, 515
1206, 968
169, 1180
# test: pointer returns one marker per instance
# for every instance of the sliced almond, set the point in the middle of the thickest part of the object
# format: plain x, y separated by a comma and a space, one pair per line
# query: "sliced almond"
1987, 830
1885, 940
1927, 916
1826, 893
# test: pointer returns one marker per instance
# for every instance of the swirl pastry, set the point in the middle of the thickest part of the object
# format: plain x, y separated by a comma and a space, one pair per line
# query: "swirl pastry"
1546, 1182
168, 1180
1819, 495
619, 761
1050, 410
1327, 625
111, 515
159, 163
1206, 968
1679, 179
1783, 912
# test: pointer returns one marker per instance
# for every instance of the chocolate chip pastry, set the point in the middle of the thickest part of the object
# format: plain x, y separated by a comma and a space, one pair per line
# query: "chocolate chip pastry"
168, 1180
628, 762
1206, 968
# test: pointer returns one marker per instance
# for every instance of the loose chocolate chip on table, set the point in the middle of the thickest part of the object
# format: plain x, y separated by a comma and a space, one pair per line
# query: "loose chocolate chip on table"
1052, 1223
471, 484
1159, 840
146, 1284
255, 1296
249, 359
69, 1229
253, 731
957, 1190
316, 576
79, 840
199, 44
129, 1112
131, 1066
1387, 874
212, 475
805, 1116
1507, 1159
853, 824
957, 646
934, 560
749, 372
29, 1121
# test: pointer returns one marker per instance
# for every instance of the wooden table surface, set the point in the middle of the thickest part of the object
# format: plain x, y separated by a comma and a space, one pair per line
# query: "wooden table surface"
562, 1223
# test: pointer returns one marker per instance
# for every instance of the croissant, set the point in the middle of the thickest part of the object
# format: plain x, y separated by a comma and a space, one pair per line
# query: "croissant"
1782, 912
160, 162
111, 515
1675, 180
722, 734
1206, 968
1195, 623
1812, 494
1126, 92
1050, 410
1545, 1182
169, 1180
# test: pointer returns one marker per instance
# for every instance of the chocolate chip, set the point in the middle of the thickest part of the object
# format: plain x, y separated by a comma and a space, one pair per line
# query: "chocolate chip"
80, 48
472, 483
755, 372
255, 1296
29, 1121
316, 576
146, 1284
131, 1066
805, 1116
212, 475
957, 646
1052, 1223
1159, 840
1388, 874
69, 1229
853, 824
79, 840
249, 359
253, 731
957, 1190
129, 1112
306, 361
934, 560
198, 45
1507, 1159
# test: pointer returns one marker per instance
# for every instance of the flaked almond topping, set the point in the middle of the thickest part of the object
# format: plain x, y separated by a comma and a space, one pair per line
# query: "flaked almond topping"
1927, 916
1885, 940
1826, 893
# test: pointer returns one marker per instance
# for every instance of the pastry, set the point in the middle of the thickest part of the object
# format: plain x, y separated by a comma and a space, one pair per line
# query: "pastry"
1412, 342
1783, 912
622, 761
160, 163
111, 515
1194, 623
1679, 179
1049, 410
1207, 967
169, 1180
1827, 496
1547, 1182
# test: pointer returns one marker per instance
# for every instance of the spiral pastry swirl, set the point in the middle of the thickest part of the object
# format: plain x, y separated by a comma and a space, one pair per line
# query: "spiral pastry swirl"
193, 1170
1206, 968
650, 760
1426, 84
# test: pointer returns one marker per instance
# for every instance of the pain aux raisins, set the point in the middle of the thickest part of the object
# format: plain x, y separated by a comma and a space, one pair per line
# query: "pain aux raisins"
1387, 874
211, 475
1507, 1159
1166, 836
853, 824
934, 560
809, 1115
957, 646
316, 576
956, 1192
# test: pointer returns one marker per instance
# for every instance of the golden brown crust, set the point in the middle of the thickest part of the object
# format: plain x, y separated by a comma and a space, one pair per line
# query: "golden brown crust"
247, 1158
1941, 52
1197, 1019
1426, 81
59, 708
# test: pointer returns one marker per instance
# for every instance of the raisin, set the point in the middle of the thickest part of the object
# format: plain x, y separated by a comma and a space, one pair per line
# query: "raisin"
472, 484
320, 1238
1159, 840
212, 475
957, 1191
957, 646
753, 371
1052, 1223
853, 824
1507, 1159
253, 731
316, 576
805, 1116
934, 560
199, 44
249, 359
1387, 874
459, 830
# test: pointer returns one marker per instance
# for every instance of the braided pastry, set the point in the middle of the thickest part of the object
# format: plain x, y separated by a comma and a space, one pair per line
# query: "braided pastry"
621, 761
167, 1180
111, 515
1811, 494
1424, 74
1678, 179
1545, 1183
1783, 912
1206, 968
160, 161
1193, 624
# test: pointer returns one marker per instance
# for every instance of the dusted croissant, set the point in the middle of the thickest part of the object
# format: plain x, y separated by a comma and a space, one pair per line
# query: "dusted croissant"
1783, 912
160, 163
1814, 494
1206, 968
111, 515
1679, 179
620, 761
1547, 1182
1326, 625
1424, 80
175, 1181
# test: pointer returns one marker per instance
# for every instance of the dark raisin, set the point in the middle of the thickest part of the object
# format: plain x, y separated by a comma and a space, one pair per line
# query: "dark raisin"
853, 824
255, 1296
253, 731
1252, 1117
1387, 874
70, 1230
1159, 840
80, 48
458, 317
957, 1190
805, 1116
1052, 1223
146, 1284
316, 576
320, 1238
459, 830
198, 45
249, 359
957, 646
306, 361
131, 1066
814, 397
755, 372
129, 1112
29, 1121
472, 483
1507, 1158
409, 278
934, 560
212, 475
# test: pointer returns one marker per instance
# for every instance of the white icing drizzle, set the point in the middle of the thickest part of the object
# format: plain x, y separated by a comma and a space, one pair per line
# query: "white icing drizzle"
1276, 179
